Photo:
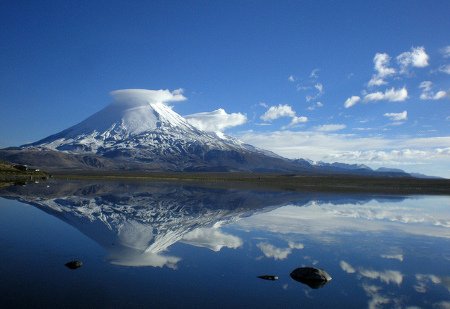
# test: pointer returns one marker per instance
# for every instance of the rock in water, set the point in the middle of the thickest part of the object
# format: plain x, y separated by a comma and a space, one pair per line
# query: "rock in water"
74, 264
313, 277
268, 277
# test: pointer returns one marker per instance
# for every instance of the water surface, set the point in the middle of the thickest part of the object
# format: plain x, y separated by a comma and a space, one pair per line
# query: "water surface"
148, 245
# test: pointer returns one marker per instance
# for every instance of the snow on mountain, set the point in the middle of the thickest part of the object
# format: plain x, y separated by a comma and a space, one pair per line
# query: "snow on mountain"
136, 116
140, 131
140, 126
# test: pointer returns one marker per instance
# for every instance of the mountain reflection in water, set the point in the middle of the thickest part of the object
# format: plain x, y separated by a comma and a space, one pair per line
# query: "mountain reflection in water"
138, 222
382, 251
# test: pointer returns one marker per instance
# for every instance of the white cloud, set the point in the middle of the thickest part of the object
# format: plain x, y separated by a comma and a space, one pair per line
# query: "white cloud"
275, 112
330, 127
427, 92
445, 68
212, 238
397, 116
439, 95
319, 145
446, 51
296, 120
381, 66
319, 87
394, 156
217, 120
137, 97
315, 105
263, 104
417, 57
376, 81
347, 267
426, 86
300, 87
291, 78
392, 95
314, 74
374, 96
351, 101
425, 155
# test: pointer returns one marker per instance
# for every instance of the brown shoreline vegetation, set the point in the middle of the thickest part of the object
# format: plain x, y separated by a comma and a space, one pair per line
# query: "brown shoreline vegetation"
290, 182
10, 174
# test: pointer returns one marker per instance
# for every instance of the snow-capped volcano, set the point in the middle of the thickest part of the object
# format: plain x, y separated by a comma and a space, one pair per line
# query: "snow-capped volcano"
139, 131
132, 112
139, 126
136, 118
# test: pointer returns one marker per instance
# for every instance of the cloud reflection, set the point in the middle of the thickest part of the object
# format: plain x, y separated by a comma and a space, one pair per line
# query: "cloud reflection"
398, 257
424, 280
376, 299
138, 259
386, 276
270, 251
347, 267
328, 219
442, 305
211, 238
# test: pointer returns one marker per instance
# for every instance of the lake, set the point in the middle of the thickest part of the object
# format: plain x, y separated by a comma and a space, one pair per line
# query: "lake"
183, 245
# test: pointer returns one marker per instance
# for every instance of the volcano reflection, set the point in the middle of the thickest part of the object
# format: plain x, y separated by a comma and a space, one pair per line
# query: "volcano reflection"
137, 222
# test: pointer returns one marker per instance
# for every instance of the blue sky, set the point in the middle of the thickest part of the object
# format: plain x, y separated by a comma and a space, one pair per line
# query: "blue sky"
282, 71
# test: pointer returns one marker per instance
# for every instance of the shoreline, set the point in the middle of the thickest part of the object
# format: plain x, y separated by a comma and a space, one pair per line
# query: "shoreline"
285, 182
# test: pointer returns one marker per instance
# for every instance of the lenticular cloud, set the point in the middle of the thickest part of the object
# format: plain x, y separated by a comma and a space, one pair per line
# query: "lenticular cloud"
144, 96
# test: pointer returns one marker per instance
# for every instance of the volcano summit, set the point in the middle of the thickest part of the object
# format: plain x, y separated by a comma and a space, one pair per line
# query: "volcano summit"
140, 131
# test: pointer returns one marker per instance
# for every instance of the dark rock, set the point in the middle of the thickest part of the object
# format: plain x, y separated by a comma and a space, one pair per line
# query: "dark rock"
20, 167
313, 277
268, 277
74, 264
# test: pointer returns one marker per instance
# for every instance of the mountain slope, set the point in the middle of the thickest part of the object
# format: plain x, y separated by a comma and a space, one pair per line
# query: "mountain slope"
138, 128
130, 124
139, 131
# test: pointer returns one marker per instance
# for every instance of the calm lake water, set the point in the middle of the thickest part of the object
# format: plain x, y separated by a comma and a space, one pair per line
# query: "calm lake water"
166, 245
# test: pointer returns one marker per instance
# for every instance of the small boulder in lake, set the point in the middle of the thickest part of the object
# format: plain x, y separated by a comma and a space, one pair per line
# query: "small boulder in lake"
268, 277
313, 277
74, 264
